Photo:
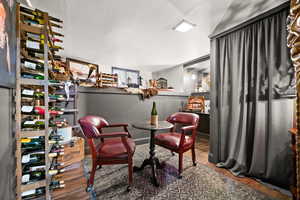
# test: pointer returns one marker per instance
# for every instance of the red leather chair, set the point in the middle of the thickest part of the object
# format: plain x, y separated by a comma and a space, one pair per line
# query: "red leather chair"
114, 148
180, 142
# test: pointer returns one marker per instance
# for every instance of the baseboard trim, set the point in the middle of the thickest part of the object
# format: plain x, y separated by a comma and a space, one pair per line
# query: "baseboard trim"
140, 141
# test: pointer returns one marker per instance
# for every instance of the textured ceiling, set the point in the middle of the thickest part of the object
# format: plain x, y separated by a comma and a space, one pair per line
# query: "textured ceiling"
135, 33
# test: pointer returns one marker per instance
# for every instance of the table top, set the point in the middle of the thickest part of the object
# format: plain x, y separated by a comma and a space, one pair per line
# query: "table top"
162, 125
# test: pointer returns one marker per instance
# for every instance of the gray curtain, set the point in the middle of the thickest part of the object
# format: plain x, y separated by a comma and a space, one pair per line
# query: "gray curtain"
250, 119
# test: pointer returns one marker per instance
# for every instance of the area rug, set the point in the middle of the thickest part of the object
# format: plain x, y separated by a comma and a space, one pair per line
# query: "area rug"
198, 182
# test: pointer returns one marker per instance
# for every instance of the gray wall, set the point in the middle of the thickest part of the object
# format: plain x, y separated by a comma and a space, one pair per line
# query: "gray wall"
7, 164
126, 108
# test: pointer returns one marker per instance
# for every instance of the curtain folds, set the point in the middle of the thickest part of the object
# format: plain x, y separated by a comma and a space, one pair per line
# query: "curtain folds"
252, 115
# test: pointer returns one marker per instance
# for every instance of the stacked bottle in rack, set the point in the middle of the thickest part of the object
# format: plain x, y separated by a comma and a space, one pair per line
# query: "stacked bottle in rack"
41, 104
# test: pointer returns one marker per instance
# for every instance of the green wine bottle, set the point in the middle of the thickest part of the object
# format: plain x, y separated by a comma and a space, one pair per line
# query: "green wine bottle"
154, 115
35, 157
31, 167
33, 65
32, 194
31, 144
33, 177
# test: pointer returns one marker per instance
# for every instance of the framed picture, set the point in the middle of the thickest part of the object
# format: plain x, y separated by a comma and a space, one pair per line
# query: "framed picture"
85, 73
127, 77
8, 43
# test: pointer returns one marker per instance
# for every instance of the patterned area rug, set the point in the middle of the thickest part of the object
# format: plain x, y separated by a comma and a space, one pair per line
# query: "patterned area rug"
199, 182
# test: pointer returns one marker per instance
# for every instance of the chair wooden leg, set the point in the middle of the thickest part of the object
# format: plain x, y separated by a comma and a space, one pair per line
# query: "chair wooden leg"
194, 156
130, 172
180, 164
92, 176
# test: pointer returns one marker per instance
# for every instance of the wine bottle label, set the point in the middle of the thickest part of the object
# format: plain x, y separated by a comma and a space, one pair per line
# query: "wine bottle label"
37, 168
26, 158
53, 172
29, 123
25, 178
30, 65
154, 119
27, 109
28, 92
32, 44
28, 192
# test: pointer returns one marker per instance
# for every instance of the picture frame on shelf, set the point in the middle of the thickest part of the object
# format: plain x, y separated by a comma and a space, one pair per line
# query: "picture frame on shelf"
127, 77
85, 73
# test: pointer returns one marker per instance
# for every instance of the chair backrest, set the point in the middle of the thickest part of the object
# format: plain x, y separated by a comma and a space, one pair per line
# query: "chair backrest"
184, 118
91, 125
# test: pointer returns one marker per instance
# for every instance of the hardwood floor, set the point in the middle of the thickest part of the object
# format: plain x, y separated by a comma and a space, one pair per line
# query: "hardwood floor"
202, 149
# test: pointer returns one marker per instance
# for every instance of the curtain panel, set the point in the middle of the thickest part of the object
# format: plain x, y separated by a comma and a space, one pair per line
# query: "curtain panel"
252, 94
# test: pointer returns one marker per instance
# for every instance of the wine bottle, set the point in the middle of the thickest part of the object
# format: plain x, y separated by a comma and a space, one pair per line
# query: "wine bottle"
32, 167
31, 144
56, 154
32, 64
33, 177
39, 55
56, 165
37, 46
56, 97
32, 110
154, 115
30, 75
55, 171
55, 182
42, 37
38, 13
54, 187
35, 157
32, 194
37, 22
36, 143
56, 137
37, 110
33, 124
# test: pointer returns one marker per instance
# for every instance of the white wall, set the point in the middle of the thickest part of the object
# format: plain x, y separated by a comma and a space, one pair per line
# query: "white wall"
174, 76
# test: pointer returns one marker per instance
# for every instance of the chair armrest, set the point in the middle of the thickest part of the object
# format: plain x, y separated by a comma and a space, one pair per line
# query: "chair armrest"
186, 128
112, 135
116, 125
125, 127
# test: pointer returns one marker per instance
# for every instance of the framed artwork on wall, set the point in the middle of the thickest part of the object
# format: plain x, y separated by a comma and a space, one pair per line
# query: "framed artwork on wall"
127, 77
85, 73
7, 43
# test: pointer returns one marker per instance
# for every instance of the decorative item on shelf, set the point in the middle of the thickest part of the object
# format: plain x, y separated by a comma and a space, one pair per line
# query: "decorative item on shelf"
152, 83
162, 83
60, 71
84, 73
108, 80
196, 103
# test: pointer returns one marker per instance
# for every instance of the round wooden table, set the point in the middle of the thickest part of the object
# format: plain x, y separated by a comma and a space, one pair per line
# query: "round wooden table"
152, 160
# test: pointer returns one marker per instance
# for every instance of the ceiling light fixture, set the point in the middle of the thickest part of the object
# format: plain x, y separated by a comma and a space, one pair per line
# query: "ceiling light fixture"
184, 26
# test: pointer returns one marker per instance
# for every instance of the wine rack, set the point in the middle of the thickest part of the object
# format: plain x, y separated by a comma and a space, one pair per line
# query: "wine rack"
36, 116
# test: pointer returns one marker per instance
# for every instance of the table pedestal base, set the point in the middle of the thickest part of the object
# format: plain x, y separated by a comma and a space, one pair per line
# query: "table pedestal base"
152, 161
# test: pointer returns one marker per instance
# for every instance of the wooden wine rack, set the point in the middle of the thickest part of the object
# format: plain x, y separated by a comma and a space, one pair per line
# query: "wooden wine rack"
48, 55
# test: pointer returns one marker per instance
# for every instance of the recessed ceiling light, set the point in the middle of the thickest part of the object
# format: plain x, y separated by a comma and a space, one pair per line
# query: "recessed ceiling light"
184, 26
